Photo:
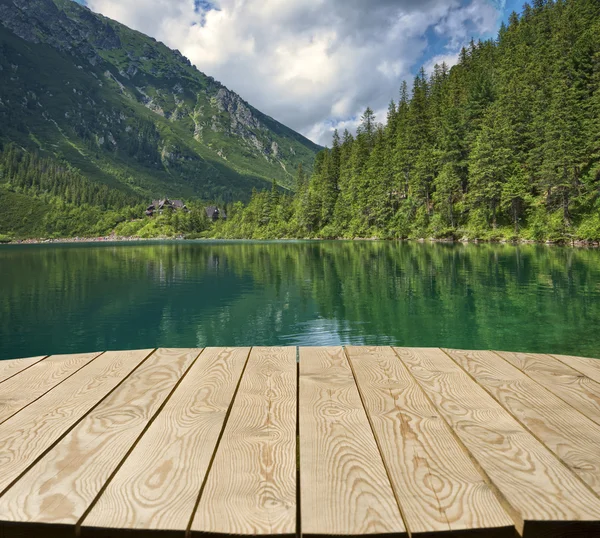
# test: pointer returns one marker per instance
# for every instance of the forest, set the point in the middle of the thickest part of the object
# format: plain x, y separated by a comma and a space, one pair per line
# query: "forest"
505, 145
43, 197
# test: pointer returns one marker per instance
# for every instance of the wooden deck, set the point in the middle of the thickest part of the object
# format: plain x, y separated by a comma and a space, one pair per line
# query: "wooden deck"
310, 441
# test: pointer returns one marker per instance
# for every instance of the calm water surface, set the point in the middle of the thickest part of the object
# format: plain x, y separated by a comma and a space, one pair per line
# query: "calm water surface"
76, 298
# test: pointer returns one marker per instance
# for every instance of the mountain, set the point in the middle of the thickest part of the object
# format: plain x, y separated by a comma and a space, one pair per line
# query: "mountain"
130, 113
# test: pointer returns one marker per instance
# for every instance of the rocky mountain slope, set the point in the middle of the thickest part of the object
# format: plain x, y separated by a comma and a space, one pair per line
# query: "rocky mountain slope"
129, 112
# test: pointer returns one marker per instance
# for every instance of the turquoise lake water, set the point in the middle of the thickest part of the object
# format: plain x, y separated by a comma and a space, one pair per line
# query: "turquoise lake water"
87, 297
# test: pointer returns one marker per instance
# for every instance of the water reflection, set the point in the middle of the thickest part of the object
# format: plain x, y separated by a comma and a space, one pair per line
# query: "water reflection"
86, 297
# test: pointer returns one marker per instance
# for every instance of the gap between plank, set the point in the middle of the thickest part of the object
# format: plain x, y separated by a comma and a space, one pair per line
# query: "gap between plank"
68, 430
26, 368
188, 529
385, 465
596, 421
513, 514
51, 388
298, 496
132, 447
570, 365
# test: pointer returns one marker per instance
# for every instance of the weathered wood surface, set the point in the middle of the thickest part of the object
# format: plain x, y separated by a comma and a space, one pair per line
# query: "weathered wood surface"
573, 387
251, 485
175, 452
588, 367
19, 391
539, 489
9, 369
435, 482
27, 435
355, 441
563, 429
59, 488
345, 488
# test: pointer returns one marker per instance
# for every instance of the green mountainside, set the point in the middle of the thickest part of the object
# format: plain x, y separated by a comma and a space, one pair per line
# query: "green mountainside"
122, 110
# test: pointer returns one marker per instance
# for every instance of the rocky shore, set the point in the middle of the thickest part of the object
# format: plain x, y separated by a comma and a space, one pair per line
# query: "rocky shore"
104, 239
121, 239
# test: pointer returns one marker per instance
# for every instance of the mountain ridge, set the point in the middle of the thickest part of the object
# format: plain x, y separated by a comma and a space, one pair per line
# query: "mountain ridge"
131, 113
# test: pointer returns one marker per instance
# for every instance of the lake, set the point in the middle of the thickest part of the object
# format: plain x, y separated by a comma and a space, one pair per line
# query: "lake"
87, 297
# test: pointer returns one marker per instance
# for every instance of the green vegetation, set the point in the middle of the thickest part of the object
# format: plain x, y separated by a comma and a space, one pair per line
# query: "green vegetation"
41, 197
503, 146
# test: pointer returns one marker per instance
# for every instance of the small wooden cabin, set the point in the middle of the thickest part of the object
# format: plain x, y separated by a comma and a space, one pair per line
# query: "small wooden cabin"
165, 204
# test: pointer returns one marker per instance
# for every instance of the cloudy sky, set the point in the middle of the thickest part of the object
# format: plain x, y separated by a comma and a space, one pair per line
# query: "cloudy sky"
314, 65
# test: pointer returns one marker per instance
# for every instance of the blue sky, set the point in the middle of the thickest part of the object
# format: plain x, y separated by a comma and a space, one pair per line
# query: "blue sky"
313, 64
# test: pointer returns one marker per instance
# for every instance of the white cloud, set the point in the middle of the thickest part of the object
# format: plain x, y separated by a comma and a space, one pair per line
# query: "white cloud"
311, 64
449, 59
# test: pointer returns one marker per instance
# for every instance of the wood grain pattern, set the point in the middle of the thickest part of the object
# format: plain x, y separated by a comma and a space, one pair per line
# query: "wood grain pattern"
568, 384
163, 444
588, 367
27, 435
570, 435
158, 485
29, 385
345, 489
11, 368
251, 486
437, 485
539, 490
63, 484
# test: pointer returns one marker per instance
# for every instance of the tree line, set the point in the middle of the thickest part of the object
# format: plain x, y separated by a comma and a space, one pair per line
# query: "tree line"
36, 175
504, 145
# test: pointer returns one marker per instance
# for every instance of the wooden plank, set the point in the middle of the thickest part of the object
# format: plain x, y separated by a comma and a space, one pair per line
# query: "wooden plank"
251, 485
345, 490
27, 435
588, 367
435, 481
20, 390
11, 368
541, 494
572, 386
566, 432
570, 435
158, 485
65, 482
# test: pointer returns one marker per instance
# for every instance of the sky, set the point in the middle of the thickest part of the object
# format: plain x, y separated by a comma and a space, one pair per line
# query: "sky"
314, 65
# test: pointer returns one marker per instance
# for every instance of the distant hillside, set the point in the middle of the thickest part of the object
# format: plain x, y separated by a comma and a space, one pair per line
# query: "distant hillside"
130, 113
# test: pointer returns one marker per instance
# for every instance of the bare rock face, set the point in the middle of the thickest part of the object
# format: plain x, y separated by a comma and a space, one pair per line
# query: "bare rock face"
238, 110
244, 123
275, 149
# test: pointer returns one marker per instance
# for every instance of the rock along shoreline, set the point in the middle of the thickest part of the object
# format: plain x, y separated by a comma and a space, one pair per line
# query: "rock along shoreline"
130, 239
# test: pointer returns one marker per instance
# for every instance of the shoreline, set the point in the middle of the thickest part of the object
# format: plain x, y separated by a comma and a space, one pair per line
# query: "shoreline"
132, 239
100, 239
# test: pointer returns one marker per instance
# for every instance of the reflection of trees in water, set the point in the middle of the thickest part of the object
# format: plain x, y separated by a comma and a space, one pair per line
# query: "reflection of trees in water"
186, 294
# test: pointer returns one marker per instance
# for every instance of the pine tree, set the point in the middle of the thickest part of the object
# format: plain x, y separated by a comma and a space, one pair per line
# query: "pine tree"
490, 165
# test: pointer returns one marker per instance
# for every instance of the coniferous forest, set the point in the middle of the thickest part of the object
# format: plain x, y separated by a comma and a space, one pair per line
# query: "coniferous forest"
504, 145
